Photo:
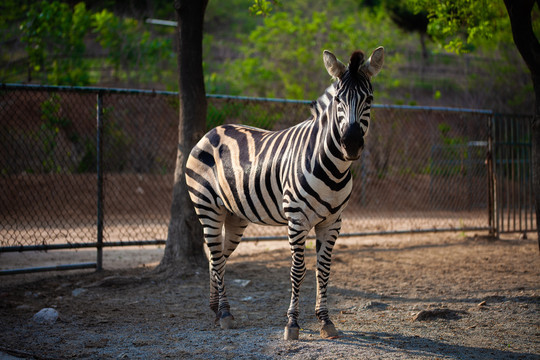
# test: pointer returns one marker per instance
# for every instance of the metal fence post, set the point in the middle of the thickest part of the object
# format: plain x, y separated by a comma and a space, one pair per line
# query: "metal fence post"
99, 170
492, 195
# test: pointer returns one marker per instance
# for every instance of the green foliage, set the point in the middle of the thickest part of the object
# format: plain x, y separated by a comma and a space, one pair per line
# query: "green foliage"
276, 54
56, 129
283, 56
447, 139
132, 52
460, 25
53, 125
218, 115
88, 162
11, 14
247, 113
55, 34
263, 7
260, 116
115, 155
115, 151
54, 38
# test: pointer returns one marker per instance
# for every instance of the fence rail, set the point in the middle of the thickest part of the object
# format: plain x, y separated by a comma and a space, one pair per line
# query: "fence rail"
91, 167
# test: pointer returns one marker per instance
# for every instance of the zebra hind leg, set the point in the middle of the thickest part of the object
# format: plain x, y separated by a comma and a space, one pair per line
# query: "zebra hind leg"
218, 293
213, 227
234, 229
297, 240
326, 238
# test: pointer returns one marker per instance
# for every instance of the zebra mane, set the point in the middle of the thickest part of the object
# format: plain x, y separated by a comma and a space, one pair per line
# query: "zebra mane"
319, 106
355, 66
314, 110
357, 59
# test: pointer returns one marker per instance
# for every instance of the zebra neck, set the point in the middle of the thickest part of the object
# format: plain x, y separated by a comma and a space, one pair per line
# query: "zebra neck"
331, 151
319, 106
327, 155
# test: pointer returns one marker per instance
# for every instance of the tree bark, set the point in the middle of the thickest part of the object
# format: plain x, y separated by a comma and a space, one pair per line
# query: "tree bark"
520, 12
184, 248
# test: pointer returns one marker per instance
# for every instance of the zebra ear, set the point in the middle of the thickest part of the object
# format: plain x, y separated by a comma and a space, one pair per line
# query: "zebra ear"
334, 67
375, 62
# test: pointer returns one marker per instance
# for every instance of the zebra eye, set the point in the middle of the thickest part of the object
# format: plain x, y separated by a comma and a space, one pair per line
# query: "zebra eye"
369, 100
337, 99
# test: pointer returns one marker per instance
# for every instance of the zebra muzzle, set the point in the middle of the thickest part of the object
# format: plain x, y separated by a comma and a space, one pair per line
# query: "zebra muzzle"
352, 142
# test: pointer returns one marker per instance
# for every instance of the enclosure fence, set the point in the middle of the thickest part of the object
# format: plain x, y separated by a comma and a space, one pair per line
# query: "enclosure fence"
90, 167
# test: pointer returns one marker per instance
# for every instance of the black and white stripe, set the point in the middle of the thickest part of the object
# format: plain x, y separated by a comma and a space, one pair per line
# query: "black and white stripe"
299, 177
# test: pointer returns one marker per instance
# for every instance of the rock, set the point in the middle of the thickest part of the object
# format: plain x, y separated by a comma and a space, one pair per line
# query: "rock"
447, 314
31, 294
47, 316
375, 305
78, 292
240, 282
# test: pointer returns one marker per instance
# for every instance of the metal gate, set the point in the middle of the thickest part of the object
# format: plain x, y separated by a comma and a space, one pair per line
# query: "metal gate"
511, 181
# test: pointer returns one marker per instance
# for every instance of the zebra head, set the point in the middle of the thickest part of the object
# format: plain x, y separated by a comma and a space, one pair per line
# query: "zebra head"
353, 97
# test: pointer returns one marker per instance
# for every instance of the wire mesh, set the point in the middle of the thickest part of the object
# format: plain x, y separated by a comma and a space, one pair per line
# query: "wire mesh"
48, 195
421, 168
139, 152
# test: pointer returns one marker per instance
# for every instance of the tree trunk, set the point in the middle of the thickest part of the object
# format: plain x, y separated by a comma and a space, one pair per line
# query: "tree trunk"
520, 12
184, 247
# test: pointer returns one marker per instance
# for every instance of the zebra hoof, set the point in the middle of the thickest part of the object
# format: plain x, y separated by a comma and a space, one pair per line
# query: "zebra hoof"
328, 331
291, 333
227, 322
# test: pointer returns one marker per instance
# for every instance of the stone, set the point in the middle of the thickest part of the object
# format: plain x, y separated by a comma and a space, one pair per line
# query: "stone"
240, 282
78, 291
447, 314
46, 316
375, 305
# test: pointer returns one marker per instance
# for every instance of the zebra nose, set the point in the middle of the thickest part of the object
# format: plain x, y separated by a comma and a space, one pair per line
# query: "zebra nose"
352, 141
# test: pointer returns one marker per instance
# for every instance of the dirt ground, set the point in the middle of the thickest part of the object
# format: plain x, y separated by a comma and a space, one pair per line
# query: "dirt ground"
430, 296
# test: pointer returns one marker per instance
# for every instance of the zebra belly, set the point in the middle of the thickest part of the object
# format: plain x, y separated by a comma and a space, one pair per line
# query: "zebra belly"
318, 208
251, 200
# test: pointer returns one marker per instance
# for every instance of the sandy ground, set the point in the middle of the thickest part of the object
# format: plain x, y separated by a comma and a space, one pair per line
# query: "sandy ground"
445, 295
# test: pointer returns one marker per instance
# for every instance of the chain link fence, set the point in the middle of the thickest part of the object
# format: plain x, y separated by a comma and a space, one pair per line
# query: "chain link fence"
423, 169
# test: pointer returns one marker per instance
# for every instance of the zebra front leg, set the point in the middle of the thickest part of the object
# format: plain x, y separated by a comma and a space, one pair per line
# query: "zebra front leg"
297, 240
326, 238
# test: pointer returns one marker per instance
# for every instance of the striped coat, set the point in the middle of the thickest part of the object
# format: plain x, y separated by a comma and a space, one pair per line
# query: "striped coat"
298, 177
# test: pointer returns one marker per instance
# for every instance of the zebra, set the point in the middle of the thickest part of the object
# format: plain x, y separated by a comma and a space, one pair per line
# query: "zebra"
299, 177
